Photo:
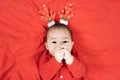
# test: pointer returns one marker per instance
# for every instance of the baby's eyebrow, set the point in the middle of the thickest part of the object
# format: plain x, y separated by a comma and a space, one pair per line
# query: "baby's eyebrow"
52, 38
65, 37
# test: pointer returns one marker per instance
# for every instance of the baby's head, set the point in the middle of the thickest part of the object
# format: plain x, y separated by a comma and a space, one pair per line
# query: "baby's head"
58, 37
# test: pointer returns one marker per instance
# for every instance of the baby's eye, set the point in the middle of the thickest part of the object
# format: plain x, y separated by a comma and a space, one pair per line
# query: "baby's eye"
54, 42
65, 41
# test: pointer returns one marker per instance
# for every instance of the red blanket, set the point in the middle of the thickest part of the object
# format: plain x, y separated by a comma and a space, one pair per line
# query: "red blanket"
96, 32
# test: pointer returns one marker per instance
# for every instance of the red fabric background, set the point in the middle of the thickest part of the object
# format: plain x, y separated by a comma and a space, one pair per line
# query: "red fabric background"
96, 32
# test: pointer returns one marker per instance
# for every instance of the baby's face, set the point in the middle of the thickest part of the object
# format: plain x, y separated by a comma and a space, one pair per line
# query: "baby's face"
58, 39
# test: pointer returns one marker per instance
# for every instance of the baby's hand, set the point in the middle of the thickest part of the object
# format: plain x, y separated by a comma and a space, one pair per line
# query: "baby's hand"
67, 56
59, 55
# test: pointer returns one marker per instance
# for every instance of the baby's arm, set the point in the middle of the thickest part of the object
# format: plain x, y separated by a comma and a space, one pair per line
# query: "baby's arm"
77, 68
48, 67
74, 65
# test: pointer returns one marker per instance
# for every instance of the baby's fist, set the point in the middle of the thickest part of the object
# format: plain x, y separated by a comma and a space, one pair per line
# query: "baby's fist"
68, 57
59, 55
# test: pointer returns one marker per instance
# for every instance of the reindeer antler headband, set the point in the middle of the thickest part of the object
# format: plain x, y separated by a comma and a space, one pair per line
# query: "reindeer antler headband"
48, 15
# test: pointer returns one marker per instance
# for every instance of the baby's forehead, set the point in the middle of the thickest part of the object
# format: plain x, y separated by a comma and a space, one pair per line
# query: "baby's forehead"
58, 32
57, 29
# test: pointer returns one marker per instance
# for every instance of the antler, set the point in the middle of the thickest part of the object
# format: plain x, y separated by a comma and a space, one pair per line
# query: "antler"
47, 15
66, 13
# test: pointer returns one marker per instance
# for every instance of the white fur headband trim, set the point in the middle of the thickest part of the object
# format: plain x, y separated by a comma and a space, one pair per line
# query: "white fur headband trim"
63, 22
51, 23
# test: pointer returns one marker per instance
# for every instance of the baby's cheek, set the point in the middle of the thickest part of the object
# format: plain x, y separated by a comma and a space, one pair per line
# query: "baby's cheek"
51, 49
70, 48
54, 49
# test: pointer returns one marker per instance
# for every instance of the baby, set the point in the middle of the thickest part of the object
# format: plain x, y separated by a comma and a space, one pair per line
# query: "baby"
59, 63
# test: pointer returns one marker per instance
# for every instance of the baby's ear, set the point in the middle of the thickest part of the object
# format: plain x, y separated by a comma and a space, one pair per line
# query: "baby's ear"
72, 43
46, 45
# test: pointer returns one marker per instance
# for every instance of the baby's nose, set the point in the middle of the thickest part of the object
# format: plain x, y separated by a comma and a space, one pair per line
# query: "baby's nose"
63, 47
